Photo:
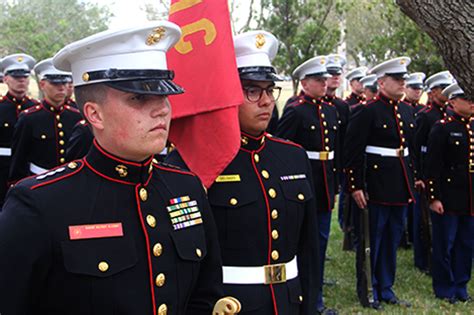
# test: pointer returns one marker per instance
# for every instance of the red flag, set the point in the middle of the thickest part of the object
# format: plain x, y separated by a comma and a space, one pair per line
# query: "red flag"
205, 127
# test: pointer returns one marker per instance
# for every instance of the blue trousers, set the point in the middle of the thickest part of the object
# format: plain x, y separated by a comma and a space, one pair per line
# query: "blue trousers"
324, 225
386, 228
453, 239
419, 248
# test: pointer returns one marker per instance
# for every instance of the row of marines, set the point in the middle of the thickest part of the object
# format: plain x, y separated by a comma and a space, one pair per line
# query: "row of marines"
117, 232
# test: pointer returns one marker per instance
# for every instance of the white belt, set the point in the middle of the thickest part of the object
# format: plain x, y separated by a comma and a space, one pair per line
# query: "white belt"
322, 156
268, 274
386, 151
164, 151
424, 149
5, 152
35, 169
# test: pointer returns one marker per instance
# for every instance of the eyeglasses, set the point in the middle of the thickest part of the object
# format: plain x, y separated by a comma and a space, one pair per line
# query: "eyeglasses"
255, 93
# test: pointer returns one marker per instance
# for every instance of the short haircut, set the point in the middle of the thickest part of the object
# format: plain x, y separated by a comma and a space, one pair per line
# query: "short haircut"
96, 93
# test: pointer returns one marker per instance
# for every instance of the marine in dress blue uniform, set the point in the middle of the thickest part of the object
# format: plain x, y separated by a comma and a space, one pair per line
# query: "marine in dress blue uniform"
449, 180
377, 153
16, 70
41, 133
357, 95
314, 124
263, 201
115, 232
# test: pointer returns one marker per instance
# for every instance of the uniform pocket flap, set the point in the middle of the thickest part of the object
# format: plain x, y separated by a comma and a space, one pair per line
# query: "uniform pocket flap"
297, 190
231, 196
190, 243
99, 257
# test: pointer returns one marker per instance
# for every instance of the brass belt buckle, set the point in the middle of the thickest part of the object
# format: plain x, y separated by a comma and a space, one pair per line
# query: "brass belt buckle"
275, 273
471, 168
400, 152
324, 155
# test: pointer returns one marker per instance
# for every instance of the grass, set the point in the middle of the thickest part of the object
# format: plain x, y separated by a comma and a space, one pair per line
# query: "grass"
410, 284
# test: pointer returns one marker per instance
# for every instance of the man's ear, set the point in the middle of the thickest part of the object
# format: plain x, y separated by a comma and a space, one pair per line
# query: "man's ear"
42, 84
93, 114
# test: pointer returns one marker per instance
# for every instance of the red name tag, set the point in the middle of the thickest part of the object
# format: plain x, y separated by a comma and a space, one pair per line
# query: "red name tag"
79, 232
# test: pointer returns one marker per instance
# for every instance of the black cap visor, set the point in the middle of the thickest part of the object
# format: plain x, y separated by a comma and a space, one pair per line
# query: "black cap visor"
259, 74
398, 75
57, 78
416, 86
147, 86
456, 95
18, 73
334, 70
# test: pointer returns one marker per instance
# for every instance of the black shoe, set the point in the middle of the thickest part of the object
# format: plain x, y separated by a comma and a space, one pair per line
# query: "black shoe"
466, 299
326, 311
376, 306
397, 301
450, 300
329, 282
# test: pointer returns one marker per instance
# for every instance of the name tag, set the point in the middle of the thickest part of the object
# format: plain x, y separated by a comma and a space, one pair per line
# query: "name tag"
100, 230
228, 178
455, 134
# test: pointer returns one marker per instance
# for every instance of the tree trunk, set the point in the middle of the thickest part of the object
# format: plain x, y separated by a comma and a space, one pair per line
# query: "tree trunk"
450, 23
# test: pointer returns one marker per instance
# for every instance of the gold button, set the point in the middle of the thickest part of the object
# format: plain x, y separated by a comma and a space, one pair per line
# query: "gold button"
61, 133
300, 196
256, 158
19, 107
151, 220
396, 107
157, 250
51, 108
457, 142
233, 201
275, 255
60, 125
326, 131
449, 180
430, 182
272, 193
62, 160
403, 139
274, 214
325, 123
353, 186
275, 234
43, 137
322, 115
399, 116
160, 280
163, 309
376, 166
401, 124
470, 132
300, 298
327, 148
72, 165
61, 142
431, 189
265, 174
143, 194
62, 151
401, 132
313, 127
412, 126
58, 117
103, 266
326, 140
6, 124
198, 252
385, 126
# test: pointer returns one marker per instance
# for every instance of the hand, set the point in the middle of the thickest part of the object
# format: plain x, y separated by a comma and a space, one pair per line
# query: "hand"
360, 199
437, 206
419, 185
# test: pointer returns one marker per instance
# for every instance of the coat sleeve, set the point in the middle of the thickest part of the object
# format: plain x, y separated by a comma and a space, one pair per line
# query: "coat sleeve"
357, 134
435, 163
308, 253
209, 287
25, 250
21, 143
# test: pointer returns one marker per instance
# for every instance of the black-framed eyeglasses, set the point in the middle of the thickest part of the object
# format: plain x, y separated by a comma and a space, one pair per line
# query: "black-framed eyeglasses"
255, 93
